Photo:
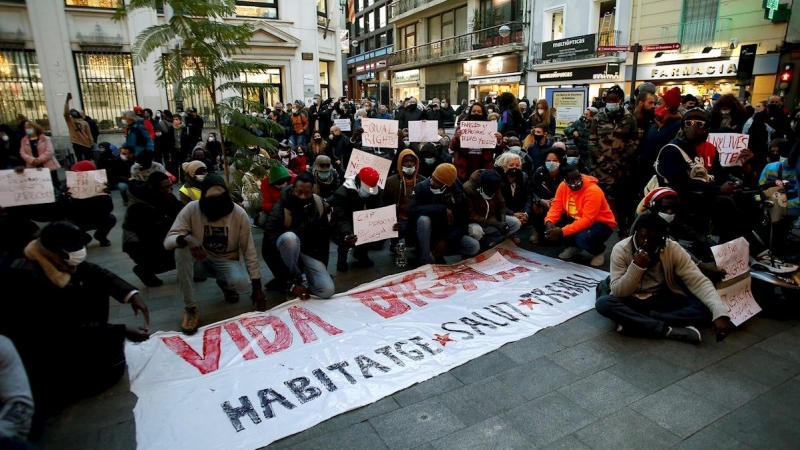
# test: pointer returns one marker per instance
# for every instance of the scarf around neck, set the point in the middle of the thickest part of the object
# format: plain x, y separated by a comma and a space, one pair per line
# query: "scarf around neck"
54, 268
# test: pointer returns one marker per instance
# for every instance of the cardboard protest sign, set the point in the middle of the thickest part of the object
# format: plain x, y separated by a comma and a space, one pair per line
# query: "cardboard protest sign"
87, 184
379, 133
493, 265
739, 300
343, 124
728, 146
478, 134
31, 187
374, 225
360, 159
733, 257
423, 131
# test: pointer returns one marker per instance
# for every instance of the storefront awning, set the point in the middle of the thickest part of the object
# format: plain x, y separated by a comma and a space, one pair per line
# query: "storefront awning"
501, 78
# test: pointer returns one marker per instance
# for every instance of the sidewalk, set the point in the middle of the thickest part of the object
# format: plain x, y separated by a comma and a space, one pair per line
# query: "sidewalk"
575, 386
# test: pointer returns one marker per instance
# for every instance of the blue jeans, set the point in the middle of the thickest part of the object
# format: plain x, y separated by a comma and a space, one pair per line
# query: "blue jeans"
231, 276
123, 191
591, 239
467, 246
297, 139
320, 282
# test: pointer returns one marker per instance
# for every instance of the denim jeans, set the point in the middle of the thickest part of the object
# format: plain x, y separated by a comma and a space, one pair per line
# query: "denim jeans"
297, 139
231, 276
478, 232
651, 317
467, 246
123, 191
320, 282
591, 239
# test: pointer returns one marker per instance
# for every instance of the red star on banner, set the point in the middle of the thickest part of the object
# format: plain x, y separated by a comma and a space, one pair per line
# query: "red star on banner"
443, 339
527, 302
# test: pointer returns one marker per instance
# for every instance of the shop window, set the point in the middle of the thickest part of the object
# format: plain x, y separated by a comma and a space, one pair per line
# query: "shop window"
106, 85
322, 12
110, 4
21, 88
267, 9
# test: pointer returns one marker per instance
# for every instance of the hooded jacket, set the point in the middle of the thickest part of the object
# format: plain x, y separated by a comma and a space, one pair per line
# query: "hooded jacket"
307, 222
483, 211
148, 218
395, 190
424, 203
270, 194
344, 202
587, 205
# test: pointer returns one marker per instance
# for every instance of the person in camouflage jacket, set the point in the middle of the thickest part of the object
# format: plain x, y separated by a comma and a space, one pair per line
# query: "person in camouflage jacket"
578, 131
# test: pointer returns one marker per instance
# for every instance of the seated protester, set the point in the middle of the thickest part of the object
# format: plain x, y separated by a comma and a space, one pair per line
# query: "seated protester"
199, 154
54, 267
144, 165
429, 159
514, 146
488, 222
438, 212
399, 187
468, 160
108, 152
326, 180
152, 212
16, 399
513, 188
783, 165
542, 189
355, 194
93, 213
194, 174
579, 214
251, 191
278, 178
444, 139
539, 145
298, 162
648, 271
118, 172
573, 158
213, 233
284, 154
298, 229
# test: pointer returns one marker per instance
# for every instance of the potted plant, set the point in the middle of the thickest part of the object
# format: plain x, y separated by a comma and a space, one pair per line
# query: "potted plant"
477, 24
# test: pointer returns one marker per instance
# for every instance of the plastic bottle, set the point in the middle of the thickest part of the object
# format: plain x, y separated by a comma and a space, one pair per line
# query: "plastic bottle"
400, 259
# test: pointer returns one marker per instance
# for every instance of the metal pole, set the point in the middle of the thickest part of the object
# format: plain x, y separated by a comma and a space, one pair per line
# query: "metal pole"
635, 48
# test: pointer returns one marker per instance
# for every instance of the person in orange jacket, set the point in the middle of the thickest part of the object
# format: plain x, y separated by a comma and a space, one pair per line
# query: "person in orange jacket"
580, 215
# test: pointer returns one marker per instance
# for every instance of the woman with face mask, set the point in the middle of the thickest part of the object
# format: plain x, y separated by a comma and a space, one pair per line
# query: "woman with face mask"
468, 160
541, 114
513, 188
542, 189
36, 150
728, 115
195, 172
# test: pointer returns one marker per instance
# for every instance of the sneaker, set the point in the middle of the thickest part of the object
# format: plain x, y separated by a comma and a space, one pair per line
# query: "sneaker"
104, 242
690, 335
149, 279
191, 319
768, 261
569, 252
534, 239
598, 260
231, 296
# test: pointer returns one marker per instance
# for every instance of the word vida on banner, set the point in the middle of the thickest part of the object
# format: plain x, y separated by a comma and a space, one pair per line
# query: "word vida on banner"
256, 378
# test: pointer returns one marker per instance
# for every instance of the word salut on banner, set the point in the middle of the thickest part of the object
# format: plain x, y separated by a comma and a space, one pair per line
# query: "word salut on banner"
256, 378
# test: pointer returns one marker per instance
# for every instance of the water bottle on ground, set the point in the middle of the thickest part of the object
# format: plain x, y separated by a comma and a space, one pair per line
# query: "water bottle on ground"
400, 259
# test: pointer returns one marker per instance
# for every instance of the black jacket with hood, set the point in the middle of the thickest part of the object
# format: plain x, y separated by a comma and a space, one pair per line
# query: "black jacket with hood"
344, 202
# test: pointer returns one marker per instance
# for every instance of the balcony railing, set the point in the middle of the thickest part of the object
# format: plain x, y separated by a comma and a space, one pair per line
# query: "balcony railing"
404, 6
603, 38
695, 36
458, 46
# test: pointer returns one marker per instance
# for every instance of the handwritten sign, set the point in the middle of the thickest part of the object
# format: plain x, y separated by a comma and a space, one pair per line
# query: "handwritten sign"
31, 187
733, 257
375, 224
475, 134
492, 265
379, 133
423, 131
729, 145
87, 184
360, 159
739, 300
343, 124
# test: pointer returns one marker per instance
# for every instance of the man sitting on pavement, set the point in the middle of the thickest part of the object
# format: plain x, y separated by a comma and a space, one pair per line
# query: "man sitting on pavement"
212, 233
647, 270
488, 222
400, 186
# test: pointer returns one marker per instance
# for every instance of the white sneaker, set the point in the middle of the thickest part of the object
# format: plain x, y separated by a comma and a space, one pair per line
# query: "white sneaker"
598, 260
769, 262
569, 252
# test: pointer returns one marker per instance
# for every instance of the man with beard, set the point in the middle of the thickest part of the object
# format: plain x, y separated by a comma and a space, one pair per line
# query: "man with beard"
211, 234
298, 229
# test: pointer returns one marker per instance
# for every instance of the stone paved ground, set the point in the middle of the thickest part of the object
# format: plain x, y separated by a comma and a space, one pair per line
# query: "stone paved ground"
575, 386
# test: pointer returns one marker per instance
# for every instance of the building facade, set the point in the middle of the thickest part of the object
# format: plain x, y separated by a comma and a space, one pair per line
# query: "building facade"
370, 45
51, 47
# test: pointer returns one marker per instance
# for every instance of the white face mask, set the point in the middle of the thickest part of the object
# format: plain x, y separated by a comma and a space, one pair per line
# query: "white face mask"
540, 111
406, 143
430, 161
76, 257
123, 123
211, 139
158, 133
254, 114
783, 160
123, 157
668, 217
409, 170
200, 178
283, 153
437, 191
5, 137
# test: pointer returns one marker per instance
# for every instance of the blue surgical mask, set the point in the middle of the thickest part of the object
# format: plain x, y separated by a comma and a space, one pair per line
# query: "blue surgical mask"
406, 143
517, 150
29, 131
323, 175
612, 107
430, 161
572, 160
552, 166
363, 193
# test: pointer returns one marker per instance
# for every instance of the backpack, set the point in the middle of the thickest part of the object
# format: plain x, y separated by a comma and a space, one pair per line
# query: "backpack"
696, 170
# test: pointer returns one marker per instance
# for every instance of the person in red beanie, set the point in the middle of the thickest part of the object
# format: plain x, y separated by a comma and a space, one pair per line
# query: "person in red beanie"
666, 127
92, 213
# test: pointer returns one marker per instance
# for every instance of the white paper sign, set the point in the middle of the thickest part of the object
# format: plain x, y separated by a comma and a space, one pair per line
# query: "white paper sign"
493, 264
477, 134
739, 300
728, 146
87, 184
374, 225
31, 187
423, 131
733, 257
379, 133
343, 124
253, 379
360, 159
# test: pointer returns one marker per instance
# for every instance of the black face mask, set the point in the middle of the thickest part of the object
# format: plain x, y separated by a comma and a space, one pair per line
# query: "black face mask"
216, 207
773, 157
475, 117
411, 107
319, 139
296, 203
516, 173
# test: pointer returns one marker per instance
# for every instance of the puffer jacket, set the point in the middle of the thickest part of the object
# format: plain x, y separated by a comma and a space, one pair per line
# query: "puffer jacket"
483, 211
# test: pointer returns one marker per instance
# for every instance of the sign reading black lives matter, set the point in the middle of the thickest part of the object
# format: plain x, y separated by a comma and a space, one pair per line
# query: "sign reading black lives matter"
256, 378
569, 47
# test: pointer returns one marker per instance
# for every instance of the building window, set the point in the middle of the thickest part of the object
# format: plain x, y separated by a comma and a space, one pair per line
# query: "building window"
553, 24
105, 81
444, 26
21, 89
439, 91
200, 100
265, 88
324, 80
698, 24
110, 4
322, 12
382, 39
266, 9
408, 36
495, 13
382, 16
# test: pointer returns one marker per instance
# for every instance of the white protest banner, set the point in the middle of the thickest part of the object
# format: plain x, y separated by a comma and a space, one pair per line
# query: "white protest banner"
477, 134
373, 225
253, 379
360, 159
728, 146
31, 187
492, 265
343, 124
733, 257
380, 133
87, 184
739, 300
423, 131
